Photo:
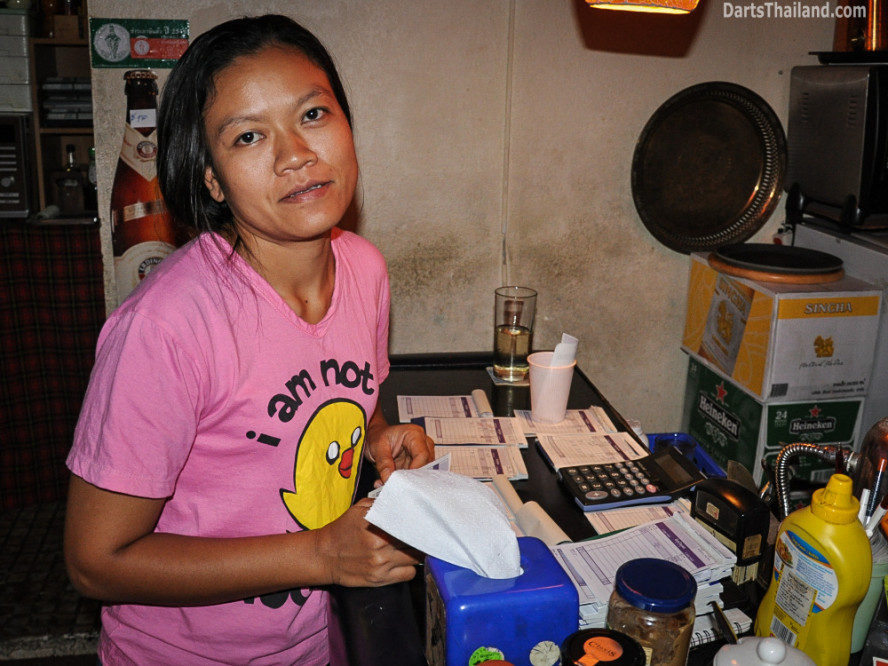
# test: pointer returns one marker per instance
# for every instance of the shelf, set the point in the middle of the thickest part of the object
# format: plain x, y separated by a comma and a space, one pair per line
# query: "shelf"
47, 41
67, 130
63, 58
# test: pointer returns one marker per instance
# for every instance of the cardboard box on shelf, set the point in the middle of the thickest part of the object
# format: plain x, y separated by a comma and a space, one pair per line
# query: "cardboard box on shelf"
731, 424
783, 341
66, 27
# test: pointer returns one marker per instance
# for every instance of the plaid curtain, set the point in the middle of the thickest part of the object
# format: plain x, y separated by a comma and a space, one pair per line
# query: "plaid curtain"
51, 310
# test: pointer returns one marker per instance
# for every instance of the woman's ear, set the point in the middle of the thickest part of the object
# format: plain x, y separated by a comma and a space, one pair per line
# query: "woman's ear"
213, 186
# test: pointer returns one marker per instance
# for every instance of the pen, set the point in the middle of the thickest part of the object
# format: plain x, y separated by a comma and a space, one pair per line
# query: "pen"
864, 502
874, 493
878, 514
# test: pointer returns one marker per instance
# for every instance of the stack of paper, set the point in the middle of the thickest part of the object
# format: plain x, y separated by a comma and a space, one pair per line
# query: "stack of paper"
576, 422
592, 565
479, 447
463, 427
562, 451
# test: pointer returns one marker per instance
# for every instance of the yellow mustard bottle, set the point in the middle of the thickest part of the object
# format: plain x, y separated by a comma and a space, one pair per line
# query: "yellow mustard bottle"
822, 568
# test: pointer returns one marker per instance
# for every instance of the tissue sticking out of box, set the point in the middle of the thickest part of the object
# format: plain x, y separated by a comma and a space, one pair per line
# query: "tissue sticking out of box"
565, 351
450, 516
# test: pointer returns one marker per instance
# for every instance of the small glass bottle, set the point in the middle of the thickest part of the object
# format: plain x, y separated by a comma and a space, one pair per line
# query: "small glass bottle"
69, 185
90, 187
653, 602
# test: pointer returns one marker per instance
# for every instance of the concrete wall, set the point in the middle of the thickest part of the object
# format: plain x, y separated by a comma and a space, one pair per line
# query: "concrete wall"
496, 138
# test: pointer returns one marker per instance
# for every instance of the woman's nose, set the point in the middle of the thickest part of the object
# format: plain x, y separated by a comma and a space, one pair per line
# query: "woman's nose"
293, 152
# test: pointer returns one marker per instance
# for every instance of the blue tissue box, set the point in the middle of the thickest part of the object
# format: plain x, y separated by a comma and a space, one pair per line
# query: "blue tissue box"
523, 620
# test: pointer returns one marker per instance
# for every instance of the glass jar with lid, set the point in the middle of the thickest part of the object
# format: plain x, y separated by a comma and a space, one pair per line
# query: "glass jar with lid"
653, 602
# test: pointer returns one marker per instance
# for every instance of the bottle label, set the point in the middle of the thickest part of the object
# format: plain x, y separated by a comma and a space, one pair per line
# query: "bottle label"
132, 267
139, 210
806, 583
143, 118
140, 152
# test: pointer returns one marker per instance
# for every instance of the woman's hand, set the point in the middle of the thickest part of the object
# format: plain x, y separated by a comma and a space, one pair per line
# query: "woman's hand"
397, 447
358, 554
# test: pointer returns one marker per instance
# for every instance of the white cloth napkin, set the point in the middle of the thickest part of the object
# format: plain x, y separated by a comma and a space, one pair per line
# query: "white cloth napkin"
449, 516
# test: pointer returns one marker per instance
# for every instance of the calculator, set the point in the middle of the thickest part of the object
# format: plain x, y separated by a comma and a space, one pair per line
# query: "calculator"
659, 477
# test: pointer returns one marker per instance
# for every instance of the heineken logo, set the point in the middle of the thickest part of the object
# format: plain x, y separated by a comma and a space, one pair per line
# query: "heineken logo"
815, 424
718, 415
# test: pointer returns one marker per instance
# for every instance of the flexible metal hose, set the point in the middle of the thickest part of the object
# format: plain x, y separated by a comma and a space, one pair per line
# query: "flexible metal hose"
791, 451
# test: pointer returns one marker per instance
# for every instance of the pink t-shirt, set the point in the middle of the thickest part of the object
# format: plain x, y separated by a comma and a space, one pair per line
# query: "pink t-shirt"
209, 390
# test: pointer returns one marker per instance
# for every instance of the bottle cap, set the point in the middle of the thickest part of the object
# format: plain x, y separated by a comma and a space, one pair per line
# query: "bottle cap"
655, 585
601, 646
835, 503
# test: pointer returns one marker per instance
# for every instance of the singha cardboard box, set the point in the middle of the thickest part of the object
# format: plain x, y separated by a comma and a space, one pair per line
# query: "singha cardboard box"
731, 424
783, 341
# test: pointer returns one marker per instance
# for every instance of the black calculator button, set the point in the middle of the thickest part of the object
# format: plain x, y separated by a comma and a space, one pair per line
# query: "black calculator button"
609, 484
628, 492
616, 492
596, 486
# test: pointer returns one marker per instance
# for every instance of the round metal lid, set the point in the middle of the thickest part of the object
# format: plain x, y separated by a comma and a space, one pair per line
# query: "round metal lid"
709, 167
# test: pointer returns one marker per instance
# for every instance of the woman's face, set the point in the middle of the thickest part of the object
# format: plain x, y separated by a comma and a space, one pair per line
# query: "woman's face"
281, 148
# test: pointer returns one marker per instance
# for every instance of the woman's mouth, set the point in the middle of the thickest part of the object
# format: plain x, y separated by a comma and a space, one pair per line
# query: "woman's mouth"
308, 193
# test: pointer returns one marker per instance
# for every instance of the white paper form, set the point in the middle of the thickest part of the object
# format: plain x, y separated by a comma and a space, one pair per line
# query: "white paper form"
484, 462
495, 431
592, 565
445, 406
593, 449
576, 422
612, 520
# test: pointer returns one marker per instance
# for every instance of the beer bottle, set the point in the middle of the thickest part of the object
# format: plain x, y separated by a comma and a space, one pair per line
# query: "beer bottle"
141, 230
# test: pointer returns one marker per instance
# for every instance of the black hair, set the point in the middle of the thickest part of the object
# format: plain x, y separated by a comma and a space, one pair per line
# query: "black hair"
182, 151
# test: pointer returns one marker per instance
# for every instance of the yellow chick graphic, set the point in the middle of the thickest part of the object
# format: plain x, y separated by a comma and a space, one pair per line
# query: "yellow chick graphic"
327, 462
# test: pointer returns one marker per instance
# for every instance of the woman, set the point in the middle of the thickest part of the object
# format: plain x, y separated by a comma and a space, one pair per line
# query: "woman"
235, 391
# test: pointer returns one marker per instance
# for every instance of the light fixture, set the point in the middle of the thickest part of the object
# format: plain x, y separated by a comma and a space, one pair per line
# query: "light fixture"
658, 6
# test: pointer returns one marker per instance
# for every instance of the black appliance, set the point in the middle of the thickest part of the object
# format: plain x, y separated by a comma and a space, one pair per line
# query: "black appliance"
16, 170
837, 144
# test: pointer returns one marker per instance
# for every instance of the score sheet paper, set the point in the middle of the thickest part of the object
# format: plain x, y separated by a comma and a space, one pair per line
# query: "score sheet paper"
592, 449
593, 564
485, 462
445, 406
494, 431
576, 422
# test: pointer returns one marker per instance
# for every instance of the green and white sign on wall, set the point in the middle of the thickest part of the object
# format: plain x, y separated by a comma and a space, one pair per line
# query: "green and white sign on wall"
137, 43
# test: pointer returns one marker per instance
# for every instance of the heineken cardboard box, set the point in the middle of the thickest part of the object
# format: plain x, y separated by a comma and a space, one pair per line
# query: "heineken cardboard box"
783, 341
731, 424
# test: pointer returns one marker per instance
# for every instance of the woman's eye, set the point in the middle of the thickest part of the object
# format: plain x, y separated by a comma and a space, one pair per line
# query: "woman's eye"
247, 138
315, 114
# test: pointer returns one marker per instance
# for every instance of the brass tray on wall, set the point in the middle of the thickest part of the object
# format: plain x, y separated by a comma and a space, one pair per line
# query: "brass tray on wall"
709, 167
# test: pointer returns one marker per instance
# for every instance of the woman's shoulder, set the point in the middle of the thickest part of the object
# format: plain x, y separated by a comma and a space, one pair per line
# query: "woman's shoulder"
354, 246
189, 277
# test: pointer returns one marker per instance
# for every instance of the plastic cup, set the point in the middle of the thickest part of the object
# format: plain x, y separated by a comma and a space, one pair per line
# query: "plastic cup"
549, 387
864, 616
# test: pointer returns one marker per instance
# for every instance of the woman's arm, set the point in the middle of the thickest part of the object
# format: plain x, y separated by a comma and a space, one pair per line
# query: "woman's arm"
113, 554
